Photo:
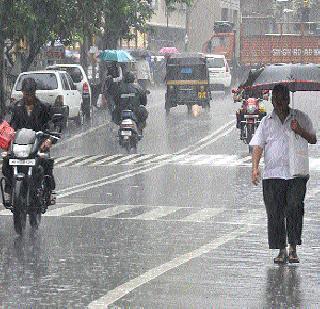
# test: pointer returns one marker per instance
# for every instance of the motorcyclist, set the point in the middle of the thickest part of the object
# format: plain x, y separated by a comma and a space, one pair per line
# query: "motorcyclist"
29, 113
132, 97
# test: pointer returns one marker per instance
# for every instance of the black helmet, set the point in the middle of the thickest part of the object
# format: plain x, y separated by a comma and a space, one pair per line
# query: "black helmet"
29, 85
129, 77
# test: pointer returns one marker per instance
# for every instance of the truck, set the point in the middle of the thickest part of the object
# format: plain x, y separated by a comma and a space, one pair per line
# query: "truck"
264, 41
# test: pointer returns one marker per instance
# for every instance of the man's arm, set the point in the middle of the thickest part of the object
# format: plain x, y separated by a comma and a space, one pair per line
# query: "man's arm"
296, 128
256, 157
118, 79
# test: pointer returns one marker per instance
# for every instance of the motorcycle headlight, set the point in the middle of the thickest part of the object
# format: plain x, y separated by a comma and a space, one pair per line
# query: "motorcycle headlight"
21, 151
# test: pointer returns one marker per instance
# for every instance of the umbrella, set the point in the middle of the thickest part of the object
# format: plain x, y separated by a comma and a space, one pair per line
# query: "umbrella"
297, 77
168, 50
116, 55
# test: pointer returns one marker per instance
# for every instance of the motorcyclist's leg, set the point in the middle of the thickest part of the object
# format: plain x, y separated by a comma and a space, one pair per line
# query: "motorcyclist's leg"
142, 115
8, 174
47, 165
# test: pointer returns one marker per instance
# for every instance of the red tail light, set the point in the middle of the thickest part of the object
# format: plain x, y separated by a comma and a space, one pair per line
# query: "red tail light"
85, 88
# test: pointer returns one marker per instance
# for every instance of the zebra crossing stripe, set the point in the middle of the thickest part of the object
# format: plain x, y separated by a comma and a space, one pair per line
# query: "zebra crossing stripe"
88, 160
62, 159
112, 211
123, 158
141, 158
68, 162
157, 213
105, 159
57, 212
5, 212
203, 215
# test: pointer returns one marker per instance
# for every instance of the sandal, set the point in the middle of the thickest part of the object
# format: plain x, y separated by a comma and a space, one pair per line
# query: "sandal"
281, 258
293, 257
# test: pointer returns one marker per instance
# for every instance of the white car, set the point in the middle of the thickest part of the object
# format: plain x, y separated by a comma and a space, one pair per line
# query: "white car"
219, 72
55, 88
81, 80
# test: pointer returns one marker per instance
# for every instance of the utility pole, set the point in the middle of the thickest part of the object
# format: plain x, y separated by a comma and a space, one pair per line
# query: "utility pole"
186, 39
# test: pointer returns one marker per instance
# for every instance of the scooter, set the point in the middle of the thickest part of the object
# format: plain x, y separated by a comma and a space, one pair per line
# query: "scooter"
129, 131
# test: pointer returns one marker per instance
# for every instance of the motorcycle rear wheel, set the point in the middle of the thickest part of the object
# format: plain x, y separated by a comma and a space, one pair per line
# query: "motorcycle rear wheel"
34, 220
19, 211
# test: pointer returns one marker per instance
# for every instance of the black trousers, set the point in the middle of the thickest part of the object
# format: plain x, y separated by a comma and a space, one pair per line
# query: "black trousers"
284, 201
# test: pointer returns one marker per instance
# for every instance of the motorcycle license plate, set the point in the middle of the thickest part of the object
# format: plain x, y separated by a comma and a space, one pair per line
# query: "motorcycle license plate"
251, 116
18, 162
126, 133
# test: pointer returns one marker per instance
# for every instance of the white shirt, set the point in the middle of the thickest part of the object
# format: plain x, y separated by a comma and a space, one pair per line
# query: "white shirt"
273, 136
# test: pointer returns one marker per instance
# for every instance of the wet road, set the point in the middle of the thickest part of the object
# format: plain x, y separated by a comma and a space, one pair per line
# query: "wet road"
176, 225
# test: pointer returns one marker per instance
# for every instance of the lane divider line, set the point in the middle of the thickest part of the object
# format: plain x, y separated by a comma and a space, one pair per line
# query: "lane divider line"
120, 291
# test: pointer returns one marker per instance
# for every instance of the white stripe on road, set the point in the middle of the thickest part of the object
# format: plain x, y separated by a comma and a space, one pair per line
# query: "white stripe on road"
106, 159
124, 158
120, 291
203, 215
157, 213
5, 212
124, 175
112, 211
86, 161
57, 212
69, 161
140, 158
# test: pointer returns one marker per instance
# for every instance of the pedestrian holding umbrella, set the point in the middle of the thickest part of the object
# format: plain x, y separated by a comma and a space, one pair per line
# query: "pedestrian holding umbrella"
283, 136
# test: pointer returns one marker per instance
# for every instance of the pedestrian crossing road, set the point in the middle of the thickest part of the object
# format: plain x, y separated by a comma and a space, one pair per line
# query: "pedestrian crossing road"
175, 159
159, 213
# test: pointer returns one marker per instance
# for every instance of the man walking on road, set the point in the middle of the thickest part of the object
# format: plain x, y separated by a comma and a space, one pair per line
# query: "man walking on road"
283, 193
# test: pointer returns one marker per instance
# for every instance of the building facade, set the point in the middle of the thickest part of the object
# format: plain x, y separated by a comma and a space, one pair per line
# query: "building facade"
166, 28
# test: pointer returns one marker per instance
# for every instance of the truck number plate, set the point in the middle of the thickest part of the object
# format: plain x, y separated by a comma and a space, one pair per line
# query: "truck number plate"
27, 162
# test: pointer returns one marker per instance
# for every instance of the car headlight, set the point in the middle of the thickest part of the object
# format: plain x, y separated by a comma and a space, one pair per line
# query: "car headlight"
21, 151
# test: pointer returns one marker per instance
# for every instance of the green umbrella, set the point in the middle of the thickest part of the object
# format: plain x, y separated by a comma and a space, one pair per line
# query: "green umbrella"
116, 55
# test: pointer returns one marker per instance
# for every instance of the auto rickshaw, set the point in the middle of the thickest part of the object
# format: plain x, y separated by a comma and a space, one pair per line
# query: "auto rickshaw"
187, 81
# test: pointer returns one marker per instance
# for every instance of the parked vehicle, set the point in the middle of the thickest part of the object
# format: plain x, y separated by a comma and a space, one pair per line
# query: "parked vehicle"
81, 81
31, 193
219, 73
128, 131
57, 89
187, 81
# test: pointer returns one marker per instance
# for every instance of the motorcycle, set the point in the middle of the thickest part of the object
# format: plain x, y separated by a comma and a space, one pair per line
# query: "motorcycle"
129, 131
30, 189
249, 118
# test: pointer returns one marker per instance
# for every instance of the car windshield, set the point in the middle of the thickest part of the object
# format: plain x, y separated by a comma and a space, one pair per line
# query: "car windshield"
215, 63
45, 81
75, 73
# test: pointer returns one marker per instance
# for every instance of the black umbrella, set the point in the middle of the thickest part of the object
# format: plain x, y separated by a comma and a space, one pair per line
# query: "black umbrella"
297, 77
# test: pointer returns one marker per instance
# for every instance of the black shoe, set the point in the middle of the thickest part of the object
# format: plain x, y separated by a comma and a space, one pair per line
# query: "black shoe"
281, 258
293, 257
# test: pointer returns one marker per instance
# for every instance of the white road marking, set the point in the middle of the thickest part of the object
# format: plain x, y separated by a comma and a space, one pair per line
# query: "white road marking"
120, 291
57, 212
5, 212
88, 160
124, 175
203, 215
112, 211
140, 158
124, 158
69, 161
105, 159
68, 140
157, 213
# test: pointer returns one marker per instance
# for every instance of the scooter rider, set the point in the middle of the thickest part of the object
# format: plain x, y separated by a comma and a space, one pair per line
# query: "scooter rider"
133, 97
29, 113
